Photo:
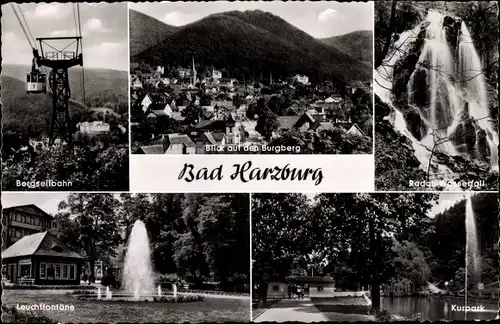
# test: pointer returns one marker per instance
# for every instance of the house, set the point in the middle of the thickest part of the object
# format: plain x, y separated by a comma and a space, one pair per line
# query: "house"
23, 220
312, 286
287, 122
136, 83
230, 126
94, 128
216, 74
160, 109
303, 79
350, 128
320, 126
178, 144
145, 102
301, 123
233, 130
209, 138
222, 103
295, 109
177, 115
150, 149
42, 259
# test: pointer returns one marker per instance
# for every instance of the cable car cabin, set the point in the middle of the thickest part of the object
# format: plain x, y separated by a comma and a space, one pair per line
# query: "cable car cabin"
36, 83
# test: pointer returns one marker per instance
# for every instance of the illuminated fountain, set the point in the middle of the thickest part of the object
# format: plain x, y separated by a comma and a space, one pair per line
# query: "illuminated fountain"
137, 272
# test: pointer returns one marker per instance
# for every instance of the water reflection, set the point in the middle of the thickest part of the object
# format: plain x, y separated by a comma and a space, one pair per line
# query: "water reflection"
433, 309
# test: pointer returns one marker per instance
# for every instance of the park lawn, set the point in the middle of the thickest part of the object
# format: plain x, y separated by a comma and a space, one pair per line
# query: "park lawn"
258, 308
210, 310
348, 309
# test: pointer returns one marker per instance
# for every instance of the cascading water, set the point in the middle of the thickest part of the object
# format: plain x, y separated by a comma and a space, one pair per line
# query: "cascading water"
137, 273
442, 105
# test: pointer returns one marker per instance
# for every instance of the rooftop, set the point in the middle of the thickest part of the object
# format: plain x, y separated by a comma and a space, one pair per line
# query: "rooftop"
41, 244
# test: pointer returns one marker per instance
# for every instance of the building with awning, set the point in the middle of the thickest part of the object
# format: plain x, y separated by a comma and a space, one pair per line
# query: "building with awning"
313, 286
41, 259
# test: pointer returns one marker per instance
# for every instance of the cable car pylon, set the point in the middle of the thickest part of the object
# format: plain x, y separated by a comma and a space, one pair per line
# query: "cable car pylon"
59, 61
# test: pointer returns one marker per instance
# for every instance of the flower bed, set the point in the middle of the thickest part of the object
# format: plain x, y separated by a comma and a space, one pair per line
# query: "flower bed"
162, 299
211, 292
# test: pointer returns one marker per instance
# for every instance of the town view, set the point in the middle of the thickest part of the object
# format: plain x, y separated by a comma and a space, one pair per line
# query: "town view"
264, 86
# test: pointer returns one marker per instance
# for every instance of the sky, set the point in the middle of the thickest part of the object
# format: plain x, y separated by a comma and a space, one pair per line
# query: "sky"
319, 19
104, 31
47, 201
445, 201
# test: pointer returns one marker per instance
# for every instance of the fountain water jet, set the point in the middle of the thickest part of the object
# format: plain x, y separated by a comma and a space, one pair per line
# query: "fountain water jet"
159, 290
472, 263
99, 293
174, 289
472, 258
108, 293
137, 272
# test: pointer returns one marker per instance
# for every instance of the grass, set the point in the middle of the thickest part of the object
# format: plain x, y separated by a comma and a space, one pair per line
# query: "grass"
94, 311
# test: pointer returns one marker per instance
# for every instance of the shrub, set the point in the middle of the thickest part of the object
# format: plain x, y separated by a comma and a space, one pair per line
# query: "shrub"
12, 315
179, 299
383, 316
54, 287
110, 281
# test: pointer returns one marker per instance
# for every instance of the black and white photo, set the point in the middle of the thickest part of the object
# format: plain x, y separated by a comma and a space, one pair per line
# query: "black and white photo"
65, 97
221, 77
108, 257
436, 102
374, 257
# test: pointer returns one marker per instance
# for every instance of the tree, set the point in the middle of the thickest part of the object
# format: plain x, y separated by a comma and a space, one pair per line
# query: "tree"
331, 141
192, 113
281, 236
93, 224
267, 124
223, 223
366, 225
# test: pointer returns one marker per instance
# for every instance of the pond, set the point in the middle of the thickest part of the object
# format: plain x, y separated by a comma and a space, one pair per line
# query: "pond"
438, 308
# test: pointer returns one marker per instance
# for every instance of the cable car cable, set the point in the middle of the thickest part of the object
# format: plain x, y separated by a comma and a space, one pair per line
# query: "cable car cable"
22, 26
83, 69
27, 26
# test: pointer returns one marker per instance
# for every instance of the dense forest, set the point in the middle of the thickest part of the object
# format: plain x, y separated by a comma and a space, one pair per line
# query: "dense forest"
390, 241
193, 237
248, 43
146, 31
31, 114
356, 44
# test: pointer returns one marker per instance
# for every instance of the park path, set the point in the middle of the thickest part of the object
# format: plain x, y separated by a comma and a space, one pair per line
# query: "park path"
292, 310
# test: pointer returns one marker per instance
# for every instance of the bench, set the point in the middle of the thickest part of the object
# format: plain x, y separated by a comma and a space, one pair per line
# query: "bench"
26, 281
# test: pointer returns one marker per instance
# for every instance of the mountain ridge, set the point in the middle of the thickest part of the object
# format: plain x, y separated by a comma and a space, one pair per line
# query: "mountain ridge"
146, 31
353, 43
254, 40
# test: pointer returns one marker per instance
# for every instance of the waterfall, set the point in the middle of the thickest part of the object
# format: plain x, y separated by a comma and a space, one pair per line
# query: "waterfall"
445, 90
